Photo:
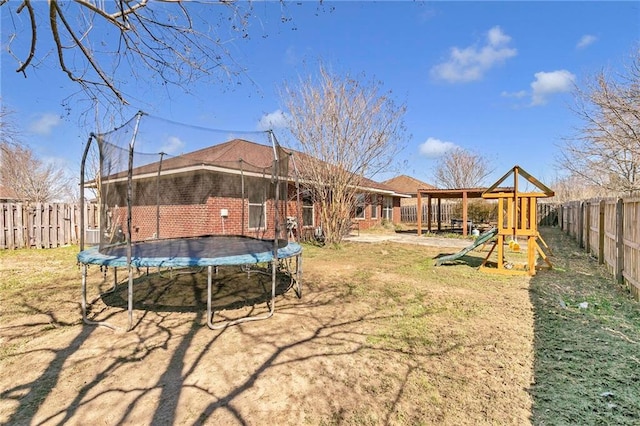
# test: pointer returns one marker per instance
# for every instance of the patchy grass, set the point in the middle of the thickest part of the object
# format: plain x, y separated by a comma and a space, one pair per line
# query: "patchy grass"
381, 336
447, 234
40, 282
587, 340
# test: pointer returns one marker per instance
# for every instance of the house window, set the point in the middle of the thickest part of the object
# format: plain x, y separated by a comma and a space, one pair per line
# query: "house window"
387, 209
374, 207
307, 210
360, 206
257, 207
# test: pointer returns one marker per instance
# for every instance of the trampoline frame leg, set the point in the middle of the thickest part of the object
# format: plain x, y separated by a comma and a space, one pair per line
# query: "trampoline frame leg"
130, 299
225, 324
84, 299
298, 276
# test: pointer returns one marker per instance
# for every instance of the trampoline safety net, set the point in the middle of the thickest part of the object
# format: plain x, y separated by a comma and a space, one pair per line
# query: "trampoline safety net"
153, 179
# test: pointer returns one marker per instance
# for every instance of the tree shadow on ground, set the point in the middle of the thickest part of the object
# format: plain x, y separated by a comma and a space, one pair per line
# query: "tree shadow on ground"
30, 396
186, 290
325, 336
330, 336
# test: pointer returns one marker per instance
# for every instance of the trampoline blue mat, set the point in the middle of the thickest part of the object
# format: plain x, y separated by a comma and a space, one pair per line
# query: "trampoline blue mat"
196, 251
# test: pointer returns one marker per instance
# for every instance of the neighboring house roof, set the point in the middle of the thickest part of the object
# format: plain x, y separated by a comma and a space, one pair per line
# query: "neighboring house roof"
233, 156
8, 194
407, 184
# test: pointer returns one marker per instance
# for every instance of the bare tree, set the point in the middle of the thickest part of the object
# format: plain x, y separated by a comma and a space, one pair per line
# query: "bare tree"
8, 131
575, 187
100, 45
348, 131
31, 179
28, 177
606, 149
460, 168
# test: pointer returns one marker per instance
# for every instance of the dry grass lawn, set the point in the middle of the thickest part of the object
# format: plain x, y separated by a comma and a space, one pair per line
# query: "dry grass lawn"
380, 336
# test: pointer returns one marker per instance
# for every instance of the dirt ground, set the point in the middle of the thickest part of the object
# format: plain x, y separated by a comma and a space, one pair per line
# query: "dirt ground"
368, 343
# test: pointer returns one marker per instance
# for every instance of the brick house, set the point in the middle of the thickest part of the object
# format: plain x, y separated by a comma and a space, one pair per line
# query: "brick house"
225, 189
407, 185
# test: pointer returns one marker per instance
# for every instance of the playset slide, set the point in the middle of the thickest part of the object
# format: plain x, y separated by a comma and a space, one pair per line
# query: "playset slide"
482, 239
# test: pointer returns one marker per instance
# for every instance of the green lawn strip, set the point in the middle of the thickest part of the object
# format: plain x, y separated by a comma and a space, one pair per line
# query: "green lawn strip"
587, 343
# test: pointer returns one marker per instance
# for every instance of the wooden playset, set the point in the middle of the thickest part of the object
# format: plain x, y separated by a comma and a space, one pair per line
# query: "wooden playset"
517, 221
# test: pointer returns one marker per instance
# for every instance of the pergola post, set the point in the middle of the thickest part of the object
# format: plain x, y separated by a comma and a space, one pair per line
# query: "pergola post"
419, 212
464, 214
429, 213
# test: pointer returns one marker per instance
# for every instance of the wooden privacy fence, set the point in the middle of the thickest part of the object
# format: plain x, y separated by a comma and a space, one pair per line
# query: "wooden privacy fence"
42, 225
547, 213
608, 229
409, 214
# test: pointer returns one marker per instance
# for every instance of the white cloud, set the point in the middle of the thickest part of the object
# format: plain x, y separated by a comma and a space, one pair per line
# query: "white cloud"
173, 145
586, 40
471, 63
433, 148
497, 38
518, 95
550, 83
44, 124
274, 120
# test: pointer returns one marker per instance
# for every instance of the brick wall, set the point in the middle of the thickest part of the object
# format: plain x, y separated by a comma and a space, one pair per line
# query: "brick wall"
191, 205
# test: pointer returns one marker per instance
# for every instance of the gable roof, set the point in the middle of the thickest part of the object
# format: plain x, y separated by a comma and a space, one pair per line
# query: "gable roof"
517, 171
235, 156
407, 184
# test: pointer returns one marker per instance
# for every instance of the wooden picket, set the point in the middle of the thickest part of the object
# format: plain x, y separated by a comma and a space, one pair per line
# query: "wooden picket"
631, 244
608, 229
42, 225
409, 213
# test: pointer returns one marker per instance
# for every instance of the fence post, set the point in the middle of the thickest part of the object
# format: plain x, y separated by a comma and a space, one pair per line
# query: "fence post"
37, 222
3, 227
55, 224
619, 241
601, 233
581, 224
11, 226
419, 213
587, 219
46, 223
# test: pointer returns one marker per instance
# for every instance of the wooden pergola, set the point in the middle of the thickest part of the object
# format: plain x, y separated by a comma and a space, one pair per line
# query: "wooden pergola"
463, 193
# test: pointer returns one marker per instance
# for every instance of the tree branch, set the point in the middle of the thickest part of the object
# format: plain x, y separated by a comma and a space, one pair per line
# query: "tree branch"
110, 18
55, 11
32, 48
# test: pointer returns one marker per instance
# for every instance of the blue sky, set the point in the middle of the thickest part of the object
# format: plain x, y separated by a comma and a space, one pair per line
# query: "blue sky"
491, 77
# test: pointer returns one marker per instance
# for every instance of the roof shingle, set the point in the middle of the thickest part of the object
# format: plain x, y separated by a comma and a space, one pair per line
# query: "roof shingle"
407, 184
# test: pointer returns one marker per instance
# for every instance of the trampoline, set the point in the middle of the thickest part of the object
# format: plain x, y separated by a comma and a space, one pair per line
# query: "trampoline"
230, 203
206, 251
210, 250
